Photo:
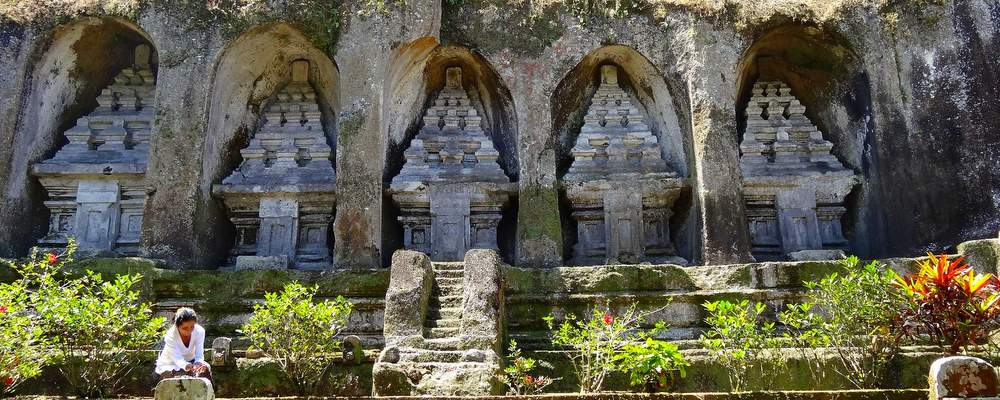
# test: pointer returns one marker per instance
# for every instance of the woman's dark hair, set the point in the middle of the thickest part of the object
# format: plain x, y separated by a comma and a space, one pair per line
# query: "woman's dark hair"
183, 315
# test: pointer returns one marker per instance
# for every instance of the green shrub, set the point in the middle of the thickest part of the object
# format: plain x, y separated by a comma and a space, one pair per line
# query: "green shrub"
594, 344
741, 341
98, 327
859, 313
22, 341
651, 364
517, 375
298, 333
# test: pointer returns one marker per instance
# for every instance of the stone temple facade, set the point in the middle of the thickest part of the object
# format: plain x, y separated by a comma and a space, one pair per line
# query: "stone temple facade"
96, 182
620, 189
793, 187
186, 157
281, 198
451, 190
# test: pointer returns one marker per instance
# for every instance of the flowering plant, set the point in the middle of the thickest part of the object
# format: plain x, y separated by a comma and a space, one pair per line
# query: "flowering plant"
595, 344
517, 375
950, 302
22, 341
652, 363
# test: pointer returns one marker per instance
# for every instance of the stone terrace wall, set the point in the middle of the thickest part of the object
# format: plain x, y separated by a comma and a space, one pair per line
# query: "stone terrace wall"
907, 102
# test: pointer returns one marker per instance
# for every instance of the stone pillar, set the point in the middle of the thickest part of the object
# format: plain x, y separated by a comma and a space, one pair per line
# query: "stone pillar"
624, 226
449, 225
716, 173
797, 220
482, 303
97, 215
279, 228
363, 56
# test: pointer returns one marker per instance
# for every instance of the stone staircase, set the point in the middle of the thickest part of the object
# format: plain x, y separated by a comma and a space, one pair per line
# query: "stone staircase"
441, 352
444, 313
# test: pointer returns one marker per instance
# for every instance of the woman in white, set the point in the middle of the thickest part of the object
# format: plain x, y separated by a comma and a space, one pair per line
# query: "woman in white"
183, 348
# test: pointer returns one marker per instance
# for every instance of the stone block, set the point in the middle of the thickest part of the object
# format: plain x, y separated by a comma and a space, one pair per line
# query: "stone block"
961, 377
258, 262
816, 255
186, 388
483, 300
983, 255
406, 299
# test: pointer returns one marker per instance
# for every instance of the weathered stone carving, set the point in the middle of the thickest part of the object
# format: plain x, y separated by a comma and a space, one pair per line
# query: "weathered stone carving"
451, 190
962, 377
793, 187
281, 198
619, 187
222, 354
96, 182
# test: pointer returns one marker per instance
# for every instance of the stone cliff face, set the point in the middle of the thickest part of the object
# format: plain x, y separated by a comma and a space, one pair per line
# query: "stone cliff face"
908, 101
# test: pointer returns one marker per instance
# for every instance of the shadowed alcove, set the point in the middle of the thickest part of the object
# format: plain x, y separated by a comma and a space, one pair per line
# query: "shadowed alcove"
81, 59
653, 97
248, 77
417, 76
823, 75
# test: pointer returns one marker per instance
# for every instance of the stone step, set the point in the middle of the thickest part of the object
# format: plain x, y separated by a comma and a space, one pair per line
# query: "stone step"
449, 343
446, 301
439, 333
448, 273
447, 291
445, 281
445, 313
448, 266
443, 323
433, 356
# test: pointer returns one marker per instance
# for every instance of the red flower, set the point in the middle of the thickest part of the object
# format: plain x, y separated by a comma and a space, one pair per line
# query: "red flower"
9, 381
3, 309
52, 258
607, 319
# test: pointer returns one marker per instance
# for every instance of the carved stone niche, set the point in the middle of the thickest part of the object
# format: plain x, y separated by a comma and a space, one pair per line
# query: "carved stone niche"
793, 187
281, 198
620, 189
451, 191
96, 182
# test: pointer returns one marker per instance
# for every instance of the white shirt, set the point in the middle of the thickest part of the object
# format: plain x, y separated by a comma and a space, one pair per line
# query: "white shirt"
177, 356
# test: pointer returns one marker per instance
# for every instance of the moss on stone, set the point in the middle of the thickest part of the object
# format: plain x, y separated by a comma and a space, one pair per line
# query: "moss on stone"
531, 29
984, 255
541, 216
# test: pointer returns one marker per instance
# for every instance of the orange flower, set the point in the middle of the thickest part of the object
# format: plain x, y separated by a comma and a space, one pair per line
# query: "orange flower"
52, 259
607, 319
528, 379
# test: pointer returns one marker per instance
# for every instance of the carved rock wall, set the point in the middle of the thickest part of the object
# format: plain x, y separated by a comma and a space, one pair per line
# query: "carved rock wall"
908, 113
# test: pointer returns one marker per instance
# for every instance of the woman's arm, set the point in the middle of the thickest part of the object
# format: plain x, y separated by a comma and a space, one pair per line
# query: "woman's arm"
198, 337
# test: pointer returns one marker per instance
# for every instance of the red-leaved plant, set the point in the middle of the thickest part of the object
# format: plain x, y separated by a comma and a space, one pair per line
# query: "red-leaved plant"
950, 302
